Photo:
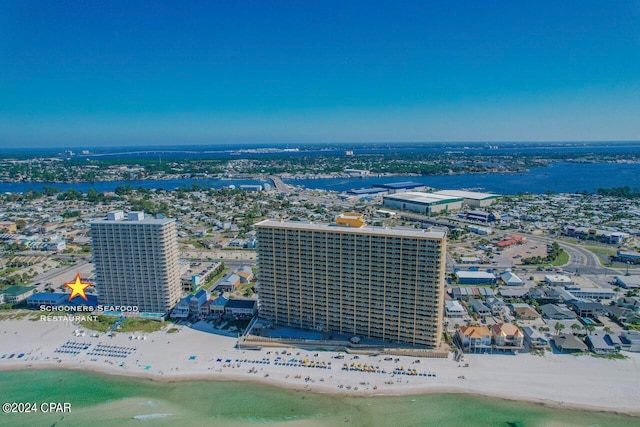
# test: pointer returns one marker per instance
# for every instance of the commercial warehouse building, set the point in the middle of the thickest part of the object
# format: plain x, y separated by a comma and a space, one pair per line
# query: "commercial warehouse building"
424, 203
471, 198
368, 282
475, 278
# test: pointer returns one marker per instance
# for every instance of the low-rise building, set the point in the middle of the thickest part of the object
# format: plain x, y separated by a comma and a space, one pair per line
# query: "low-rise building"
602, 343
534, 338
478, 307
597, 294
475, 278
16, 294
454, 309
569, 343
524, 311
245, 273
630, 341
558, 280
627, 282
587, 308
228, 284
46, 298
511, 279
218, 304
474, 338
557, 312
507, 336
241, 307
497, 306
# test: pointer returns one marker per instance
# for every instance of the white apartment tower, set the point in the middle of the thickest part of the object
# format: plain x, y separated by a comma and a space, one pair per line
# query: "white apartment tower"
363, 281
136, 261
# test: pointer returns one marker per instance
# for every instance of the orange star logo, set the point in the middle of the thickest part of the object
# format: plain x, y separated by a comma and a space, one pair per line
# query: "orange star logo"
77, 288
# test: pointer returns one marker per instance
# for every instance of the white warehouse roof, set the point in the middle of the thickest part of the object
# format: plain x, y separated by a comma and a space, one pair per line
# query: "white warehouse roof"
467, 194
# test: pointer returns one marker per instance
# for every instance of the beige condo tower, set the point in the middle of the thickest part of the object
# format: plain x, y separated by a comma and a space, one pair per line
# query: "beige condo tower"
356, 280
136, 261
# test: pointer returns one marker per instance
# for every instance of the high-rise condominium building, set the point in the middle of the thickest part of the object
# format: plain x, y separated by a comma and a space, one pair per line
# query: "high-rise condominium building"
368, 282
136, 261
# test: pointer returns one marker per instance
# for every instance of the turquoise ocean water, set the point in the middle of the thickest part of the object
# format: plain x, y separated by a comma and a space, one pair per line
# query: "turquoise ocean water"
99, 400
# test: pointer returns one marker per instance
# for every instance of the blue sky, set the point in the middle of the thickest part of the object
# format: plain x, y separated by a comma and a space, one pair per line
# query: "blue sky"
88, 73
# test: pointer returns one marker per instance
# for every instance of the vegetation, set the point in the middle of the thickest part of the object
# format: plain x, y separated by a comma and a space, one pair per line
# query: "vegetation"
624, 192
141, 325
556, 256
614, 356
101, 324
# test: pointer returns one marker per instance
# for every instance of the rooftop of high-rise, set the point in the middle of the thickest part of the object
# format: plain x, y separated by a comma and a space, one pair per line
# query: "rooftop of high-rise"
377, 231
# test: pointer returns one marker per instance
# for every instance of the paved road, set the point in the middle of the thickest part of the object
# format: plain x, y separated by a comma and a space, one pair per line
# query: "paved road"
279, 184
44, 277
581, 260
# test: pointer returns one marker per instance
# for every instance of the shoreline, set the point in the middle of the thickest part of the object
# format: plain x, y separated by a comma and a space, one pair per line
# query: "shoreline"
548, 403
556, 381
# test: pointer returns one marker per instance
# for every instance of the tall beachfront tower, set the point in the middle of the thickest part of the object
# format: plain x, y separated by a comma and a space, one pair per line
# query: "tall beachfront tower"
369, 282
136, 261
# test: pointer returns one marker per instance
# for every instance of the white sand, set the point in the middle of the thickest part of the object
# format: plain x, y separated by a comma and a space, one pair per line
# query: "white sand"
585, 382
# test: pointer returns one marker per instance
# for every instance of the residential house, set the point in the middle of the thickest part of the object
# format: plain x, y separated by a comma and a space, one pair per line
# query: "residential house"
218, 304
587, 309
474, 338
241, 307
507, 336
228, 284
569, 343
524, 311
630, 341
478, 307
197, 300
497, 306
602, 343
534, 338
245, 273
557, 312
454, 309
190, 306
181, 309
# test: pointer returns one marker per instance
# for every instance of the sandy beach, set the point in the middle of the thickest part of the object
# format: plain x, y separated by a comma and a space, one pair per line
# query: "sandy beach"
557, 380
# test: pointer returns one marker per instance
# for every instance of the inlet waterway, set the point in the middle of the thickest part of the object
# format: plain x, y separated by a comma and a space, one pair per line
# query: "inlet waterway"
558, 177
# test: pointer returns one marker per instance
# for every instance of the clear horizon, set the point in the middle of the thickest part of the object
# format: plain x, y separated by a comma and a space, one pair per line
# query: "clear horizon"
160, 73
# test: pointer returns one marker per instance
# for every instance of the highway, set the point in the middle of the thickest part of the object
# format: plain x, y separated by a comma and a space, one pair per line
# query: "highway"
581, 260
279, 184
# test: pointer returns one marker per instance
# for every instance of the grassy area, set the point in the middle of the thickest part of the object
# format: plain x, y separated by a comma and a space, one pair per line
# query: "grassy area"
101, 324
245, 289
602, 251
614, 356
141, 325
561, 259
215, 278
172, 330
11, 314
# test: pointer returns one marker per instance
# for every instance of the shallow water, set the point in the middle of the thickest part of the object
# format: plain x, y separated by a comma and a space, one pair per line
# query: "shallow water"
99, 400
